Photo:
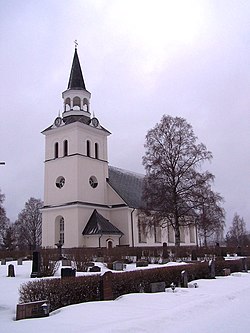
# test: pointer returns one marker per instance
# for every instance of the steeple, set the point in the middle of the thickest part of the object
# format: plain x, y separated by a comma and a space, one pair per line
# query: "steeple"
76, 98
76, 80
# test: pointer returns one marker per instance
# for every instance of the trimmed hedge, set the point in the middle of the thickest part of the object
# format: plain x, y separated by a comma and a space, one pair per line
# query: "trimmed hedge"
62, 292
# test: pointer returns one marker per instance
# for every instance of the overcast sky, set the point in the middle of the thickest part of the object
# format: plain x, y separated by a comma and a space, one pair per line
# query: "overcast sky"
140, 60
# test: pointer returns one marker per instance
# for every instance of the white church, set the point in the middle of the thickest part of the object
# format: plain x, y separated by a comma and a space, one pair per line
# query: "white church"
87, 202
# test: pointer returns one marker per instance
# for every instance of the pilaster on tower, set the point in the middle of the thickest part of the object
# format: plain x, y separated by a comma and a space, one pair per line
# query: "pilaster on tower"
76, 98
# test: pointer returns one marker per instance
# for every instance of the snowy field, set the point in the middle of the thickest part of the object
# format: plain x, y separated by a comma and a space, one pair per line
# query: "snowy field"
216, 306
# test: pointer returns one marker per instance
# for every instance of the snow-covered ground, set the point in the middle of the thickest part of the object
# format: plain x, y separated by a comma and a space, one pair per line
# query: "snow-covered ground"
216, 306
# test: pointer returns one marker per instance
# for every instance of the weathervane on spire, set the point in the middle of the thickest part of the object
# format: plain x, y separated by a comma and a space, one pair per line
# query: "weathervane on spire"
76, 44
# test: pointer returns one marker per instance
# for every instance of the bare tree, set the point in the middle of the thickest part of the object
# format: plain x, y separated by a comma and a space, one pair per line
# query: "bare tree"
173, 175
29, 224
237, 234
4, 221
210, 214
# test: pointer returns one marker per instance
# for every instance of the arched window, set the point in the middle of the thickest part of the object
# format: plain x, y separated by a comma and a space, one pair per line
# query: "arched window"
56, 150
61, 231
96, 150
85, 105
76, 103
65, 148
88, 148
67, 104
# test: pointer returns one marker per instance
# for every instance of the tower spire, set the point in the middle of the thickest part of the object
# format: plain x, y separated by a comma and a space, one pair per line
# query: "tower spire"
76, 80
76, 98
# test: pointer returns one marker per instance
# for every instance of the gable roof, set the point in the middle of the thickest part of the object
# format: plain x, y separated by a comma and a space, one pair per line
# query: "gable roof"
98, 225
128, 185
76, 78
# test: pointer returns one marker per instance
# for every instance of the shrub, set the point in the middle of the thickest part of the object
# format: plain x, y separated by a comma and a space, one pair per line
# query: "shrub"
61, 292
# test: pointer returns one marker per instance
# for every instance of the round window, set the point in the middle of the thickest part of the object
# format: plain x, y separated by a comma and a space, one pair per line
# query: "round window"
93, 181
60, 181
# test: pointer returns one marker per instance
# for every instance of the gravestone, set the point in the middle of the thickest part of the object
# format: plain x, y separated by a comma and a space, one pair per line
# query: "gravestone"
68, 272
142, 263
244, 265
95, 269
20, 261
66, 262
164, 250
184, 279
157, 287
36, 264
100, 259
118, 266
89, 264
211, 265
3, 261
32, 310
194, 255
11, 271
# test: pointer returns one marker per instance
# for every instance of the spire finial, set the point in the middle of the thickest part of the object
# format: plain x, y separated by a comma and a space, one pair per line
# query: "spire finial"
76, 44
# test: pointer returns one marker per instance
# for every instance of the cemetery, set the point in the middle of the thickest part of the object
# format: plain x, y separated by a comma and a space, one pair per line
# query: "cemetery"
77, 278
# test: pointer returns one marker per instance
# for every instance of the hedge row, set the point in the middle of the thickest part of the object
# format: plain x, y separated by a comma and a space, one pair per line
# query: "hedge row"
62, 292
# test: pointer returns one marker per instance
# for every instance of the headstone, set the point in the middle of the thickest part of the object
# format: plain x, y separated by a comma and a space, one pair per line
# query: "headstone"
11, 271
142, 263
89, 264
100, 259
20, 261
36, 263
66, 262
32, 310
211, 265
95, 269
3, 261
165, 260
117, 266
68, 272
194, 255
157, 287
184, 279
134, 258
244, 265
165, 250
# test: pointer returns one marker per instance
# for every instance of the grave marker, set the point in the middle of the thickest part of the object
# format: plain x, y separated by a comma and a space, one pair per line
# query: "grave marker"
157, 287
11, 271
36, 264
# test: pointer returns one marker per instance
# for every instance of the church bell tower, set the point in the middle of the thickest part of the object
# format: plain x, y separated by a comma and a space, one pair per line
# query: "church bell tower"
76, 166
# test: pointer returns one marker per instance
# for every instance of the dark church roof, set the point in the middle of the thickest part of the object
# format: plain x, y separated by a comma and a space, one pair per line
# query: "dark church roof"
128, 185
76, 78
98, 225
